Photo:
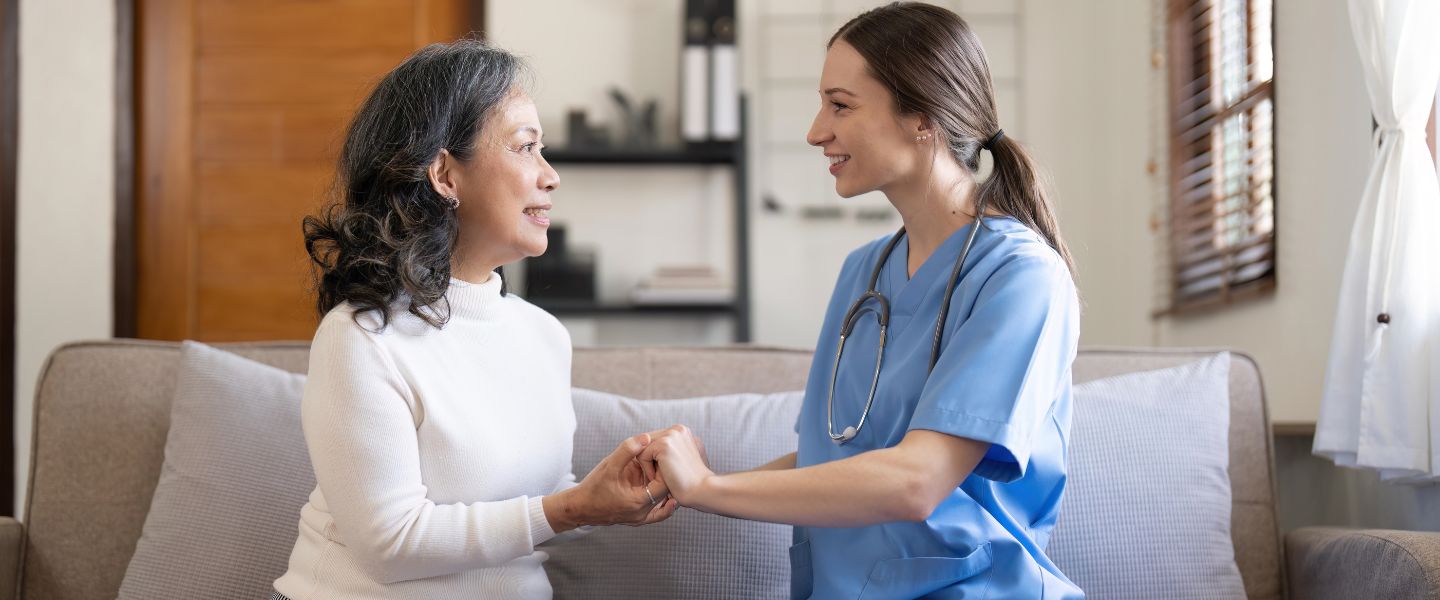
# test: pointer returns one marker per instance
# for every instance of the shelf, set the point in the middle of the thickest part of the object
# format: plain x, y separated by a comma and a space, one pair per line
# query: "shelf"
582, 308
718, 153
1293, 428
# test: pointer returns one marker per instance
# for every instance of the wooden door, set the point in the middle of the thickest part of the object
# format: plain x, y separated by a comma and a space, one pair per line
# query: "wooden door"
242, 106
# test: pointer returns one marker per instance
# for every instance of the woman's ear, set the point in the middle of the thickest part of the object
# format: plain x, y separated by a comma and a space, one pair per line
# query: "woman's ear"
920, 127
441, 173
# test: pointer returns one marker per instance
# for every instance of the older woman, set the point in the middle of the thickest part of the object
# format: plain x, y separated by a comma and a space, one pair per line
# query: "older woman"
437, 410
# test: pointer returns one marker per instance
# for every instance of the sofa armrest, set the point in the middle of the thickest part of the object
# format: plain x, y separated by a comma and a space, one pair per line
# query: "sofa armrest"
12, 542
1326, 562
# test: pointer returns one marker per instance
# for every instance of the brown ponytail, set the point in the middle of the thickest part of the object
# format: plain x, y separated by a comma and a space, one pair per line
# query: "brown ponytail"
1016, 189
934, 65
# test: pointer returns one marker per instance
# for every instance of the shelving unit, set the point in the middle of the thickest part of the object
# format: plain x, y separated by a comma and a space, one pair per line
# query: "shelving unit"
707, 154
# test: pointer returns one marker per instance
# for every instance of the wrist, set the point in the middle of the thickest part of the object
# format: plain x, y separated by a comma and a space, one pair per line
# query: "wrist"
705, 493
562, 510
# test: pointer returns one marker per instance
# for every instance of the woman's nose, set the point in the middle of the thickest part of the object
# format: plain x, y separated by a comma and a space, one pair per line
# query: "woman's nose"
549, 177
819, 131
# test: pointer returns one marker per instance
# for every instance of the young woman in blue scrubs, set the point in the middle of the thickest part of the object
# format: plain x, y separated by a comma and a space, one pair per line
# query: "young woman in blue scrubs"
940, 473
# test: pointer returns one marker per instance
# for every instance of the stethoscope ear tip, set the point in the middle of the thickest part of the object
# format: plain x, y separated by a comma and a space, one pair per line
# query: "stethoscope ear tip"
847, 435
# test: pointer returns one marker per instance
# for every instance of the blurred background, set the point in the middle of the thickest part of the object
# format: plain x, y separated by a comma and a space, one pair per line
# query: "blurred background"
1206, 157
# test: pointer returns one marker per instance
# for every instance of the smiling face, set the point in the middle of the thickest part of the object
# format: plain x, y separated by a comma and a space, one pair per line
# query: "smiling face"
869, 144
504, 188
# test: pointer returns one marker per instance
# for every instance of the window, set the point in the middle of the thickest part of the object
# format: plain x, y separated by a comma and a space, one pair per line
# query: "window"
1222, 159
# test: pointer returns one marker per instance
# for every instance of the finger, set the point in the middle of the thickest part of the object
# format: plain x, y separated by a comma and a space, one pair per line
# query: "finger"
661, 511
658, 433
667, 508
658, 489
636, 464
648, 468
630, 448
652, 452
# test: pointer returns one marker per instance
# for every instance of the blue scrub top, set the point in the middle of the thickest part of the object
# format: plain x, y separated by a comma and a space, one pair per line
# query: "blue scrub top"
1003, 377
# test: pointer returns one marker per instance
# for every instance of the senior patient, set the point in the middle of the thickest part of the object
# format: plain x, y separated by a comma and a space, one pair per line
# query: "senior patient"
437, 410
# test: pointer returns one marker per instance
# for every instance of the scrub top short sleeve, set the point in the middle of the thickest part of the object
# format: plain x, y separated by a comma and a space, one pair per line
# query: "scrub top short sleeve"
1002, 368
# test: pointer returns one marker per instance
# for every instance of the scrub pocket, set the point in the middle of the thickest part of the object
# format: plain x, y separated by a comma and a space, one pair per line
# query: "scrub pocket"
802, 580
899, 578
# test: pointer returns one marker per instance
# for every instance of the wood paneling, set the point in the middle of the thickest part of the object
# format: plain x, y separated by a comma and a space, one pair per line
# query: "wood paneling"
314, 24
243, 105
164, 197
268, 133
258, 193
275, 78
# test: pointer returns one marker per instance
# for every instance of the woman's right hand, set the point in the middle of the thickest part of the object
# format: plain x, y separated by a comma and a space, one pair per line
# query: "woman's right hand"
614, 493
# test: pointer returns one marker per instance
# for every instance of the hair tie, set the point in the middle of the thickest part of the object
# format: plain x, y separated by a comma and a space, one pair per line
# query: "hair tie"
990, 143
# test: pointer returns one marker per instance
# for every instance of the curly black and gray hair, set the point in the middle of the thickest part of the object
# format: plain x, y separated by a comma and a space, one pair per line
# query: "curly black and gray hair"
386, 239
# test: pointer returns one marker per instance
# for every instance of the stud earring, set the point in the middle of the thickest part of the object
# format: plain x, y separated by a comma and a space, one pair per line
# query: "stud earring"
453, 201
921, 138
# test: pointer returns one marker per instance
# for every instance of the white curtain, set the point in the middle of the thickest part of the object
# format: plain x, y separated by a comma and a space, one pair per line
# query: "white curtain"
1381, 403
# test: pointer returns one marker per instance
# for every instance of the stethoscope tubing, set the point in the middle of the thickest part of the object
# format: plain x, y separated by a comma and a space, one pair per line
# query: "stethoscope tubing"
883, 317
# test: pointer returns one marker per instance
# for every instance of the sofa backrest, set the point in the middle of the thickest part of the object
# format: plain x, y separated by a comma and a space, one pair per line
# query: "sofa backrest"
102, 414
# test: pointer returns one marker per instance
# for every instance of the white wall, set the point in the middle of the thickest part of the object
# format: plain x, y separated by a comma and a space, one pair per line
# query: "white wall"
1086, 105
66, 190
1323, 154
1092, 108
1088, 101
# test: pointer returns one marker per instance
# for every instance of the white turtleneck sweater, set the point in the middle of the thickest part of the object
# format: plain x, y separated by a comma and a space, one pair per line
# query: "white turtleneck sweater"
432, 449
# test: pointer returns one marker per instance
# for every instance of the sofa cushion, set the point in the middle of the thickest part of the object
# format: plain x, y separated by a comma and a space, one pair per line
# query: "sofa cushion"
692, 555
1146, 512
225, 514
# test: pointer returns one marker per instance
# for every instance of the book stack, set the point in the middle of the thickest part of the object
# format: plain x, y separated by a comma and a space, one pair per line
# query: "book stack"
709, 73
686, 284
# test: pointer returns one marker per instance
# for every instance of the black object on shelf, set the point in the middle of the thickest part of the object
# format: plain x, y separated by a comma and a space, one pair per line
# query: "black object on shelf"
560, 274
728, 154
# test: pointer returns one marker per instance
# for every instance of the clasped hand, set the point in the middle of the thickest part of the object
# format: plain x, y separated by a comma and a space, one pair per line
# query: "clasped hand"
644, 480
676, 457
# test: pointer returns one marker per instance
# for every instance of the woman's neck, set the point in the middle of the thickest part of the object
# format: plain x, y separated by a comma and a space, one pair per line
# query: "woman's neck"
475, 275
932, 210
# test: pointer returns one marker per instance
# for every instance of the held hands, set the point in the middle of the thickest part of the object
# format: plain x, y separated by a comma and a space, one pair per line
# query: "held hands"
680, 457
617, 491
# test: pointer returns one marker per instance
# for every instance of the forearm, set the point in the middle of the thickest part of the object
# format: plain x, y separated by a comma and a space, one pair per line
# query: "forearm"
874, 487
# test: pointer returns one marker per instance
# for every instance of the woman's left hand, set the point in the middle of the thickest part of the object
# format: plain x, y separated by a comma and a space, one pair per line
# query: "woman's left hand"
680, 455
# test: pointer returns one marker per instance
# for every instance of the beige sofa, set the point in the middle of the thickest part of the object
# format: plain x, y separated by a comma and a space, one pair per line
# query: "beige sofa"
102, 409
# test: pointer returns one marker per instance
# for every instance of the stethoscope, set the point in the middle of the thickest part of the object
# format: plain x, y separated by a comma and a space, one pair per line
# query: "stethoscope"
882, 315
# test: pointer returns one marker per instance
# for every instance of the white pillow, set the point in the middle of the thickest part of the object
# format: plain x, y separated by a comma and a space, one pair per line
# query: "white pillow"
693, 555
1146, 512
226, 512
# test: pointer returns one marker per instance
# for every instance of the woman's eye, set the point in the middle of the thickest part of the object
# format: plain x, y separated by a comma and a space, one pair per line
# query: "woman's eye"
838, 105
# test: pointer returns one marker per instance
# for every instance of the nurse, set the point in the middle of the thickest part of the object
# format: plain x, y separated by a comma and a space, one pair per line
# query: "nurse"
932, 444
